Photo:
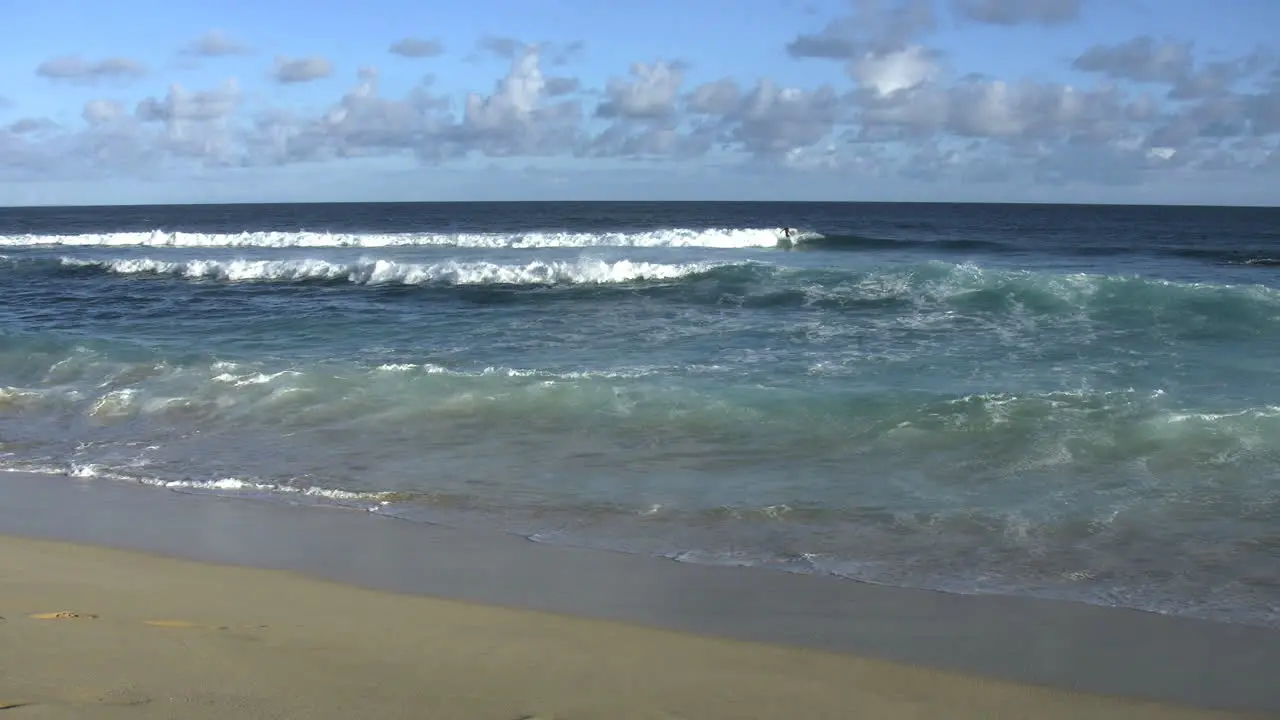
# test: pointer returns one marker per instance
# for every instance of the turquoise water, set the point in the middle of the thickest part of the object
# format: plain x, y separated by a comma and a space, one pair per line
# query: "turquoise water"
1069, 402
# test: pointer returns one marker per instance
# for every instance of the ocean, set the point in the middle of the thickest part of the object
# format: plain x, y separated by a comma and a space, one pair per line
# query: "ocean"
1074, 402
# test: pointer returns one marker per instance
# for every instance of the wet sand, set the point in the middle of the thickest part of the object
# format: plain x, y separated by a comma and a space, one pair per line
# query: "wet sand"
348, 615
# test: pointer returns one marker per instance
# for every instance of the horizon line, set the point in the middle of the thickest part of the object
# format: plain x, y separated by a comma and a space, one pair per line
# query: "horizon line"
4, 208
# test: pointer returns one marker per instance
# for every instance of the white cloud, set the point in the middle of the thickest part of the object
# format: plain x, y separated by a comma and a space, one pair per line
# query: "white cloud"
888, 72
651, 93
100, 112
1141, 108
715, 98
300, 70
196, 124
181, 105
874, 25
1141, 59
215, 43
73, 68
23, 126
508, 48
416, 48
775, 121
1019, 12
514, 100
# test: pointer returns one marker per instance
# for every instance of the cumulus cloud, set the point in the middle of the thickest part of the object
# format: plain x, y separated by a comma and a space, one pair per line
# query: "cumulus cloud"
516, 119
503, 47
563, 54
650, 93
183, 105
520, 117
508, 48
26, 125
214, 43
364, 123
886, 73
1141, 108
73, 68
643, 111
1057, 132
1144, 59
411, 47
1141, 59
300, 70
101, 112
1019, 12
557, 86
715, 98
652, 116
1054, 132
872, 28
774, 121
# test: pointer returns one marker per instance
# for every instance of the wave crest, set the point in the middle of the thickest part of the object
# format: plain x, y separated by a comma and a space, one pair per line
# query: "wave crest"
727, 238
389, 272
930, 287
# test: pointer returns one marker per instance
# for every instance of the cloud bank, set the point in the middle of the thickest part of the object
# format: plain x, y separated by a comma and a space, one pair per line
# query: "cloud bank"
1143, 109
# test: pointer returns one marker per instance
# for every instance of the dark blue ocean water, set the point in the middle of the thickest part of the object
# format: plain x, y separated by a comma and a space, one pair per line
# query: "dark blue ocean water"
1065, 401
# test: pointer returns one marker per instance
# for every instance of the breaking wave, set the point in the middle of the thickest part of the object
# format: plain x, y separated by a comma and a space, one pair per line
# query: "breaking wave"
929, 286
712, 238
381, 272
675, 237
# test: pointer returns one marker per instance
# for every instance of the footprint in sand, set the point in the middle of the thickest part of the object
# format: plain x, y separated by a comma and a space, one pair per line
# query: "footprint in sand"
182, 624
247, 633
61, 615
120, 697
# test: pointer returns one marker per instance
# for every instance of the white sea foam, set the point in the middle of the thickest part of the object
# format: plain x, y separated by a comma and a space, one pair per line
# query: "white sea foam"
675, 237
226, 485
433, 369
252, 378
368, 271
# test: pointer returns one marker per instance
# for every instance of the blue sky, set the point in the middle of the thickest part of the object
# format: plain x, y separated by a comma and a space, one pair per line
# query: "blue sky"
141, 101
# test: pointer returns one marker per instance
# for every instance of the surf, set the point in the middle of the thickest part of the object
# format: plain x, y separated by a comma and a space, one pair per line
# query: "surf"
723, 238
934, 286
376, 271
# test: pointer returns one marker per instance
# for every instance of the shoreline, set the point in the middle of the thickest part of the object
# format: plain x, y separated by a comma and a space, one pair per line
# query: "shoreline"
917, 636
148, 636
325, 498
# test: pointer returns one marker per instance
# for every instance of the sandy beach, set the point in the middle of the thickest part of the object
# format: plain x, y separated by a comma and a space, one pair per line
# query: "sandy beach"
134, 602
95, 632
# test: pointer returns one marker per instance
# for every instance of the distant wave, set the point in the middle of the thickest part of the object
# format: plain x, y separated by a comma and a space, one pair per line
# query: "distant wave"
854, 243
674, 237
719, 238
863, 243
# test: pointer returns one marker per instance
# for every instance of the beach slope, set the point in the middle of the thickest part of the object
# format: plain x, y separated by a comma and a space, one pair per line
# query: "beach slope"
106, 633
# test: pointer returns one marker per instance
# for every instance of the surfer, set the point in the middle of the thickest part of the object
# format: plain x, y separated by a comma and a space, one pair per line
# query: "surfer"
788, 237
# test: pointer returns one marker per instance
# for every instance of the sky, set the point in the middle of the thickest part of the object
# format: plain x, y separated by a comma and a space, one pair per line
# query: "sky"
1114, 101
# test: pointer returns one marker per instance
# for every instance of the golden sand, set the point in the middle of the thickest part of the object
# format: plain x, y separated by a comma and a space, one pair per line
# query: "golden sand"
98, 633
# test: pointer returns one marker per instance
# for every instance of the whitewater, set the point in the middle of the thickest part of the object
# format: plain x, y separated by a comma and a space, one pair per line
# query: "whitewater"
672, 237
1038, 400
